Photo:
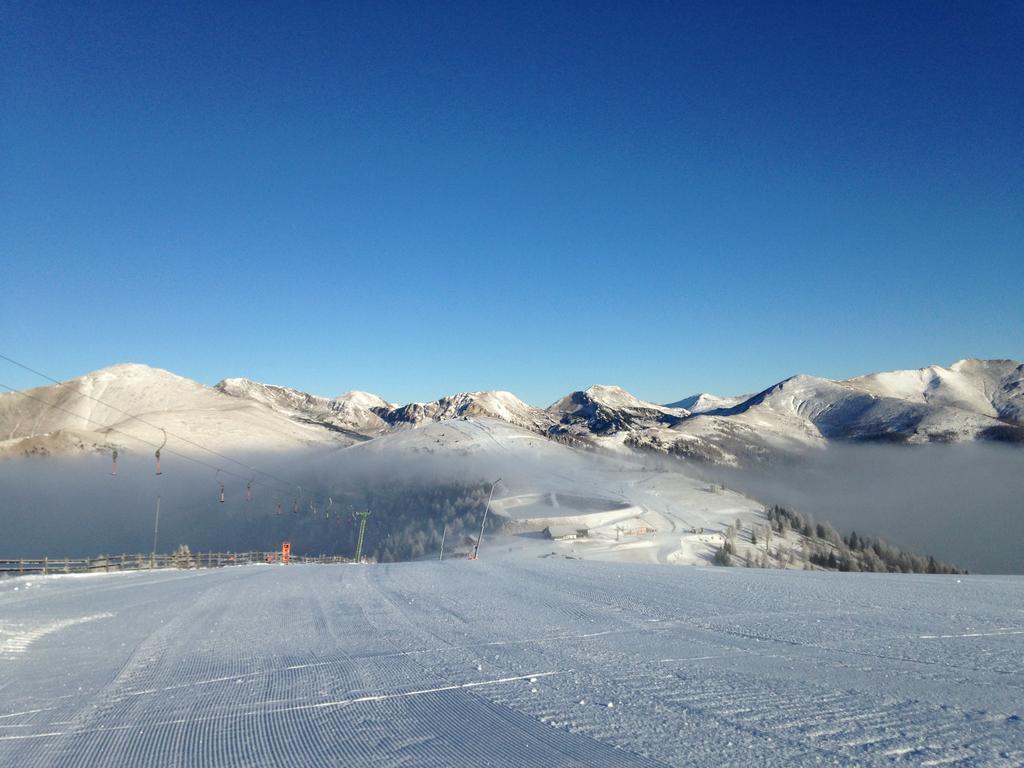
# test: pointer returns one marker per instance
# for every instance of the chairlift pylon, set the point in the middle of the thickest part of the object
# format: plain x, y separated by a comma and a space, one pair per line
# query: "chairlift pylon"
113, 470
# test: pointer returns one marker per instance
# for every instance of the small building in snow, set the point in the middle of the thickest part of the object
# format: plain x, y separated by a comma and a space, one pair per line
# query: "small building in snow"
565, 533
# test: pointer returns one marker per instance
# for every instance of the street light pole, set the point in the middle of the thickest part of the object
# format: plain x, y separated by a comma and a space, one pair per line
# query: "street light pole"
476, 549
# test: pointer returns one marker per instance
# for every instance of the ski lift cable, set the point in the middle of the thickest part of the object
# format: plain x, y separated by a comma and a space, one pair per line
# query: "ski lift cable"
139, 419
108, 428
59, 383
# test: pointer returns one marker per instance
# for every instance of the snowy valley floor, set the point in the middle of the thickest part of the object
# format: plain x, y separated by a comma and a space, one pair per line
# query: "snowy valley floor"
510, 662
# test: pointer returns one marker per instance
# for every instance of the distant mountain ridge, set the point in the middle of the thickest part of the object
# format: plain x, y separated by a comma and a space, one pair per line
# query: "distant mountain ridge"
970, 400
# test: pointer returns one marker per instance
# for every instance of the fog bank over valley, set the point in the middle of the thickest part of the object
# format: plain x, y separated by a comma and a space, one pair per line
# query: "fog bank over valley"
963, 503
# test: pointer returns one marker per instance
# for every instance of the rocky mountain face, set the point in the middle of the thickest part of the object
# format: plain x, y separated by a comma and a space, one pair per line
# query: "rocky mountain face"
359, 414
366, 415
498, 405
608, 417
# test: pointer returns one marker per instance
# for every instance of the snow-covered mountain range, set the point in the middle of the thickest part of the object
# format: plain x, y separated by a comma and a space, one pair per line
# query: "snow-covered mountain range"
127, 405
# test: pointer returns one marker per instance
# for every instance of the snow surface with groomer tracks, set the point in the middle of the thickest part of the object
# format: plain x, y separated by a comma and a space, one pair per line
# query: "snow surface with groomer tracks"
510, 661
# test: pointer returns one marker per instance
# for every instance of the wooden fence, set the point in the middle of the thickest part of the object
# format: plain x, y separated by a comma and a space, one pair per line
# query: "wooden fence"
138, 562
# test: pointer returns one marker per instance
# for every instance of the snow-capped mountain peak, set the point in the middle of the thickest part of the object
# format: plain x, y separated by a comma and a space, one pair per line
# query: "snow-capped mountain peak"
606, 410
494, 403
367, 400
705, 401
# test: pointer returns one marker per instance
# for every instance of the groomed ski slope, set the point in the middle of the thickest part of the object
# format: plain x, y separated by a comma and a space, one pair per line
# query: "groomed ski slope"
540, 662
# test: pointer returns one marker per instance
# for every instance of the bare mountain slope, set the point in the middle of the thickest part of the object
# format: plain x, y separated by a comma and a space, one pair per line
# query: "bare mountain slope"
992, 388
972, 400
55, 419
356, 413
841, 410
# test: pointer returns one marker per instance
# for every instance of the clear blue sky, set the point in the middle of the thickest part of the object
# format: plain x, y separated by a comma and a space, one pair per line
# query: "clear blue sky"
415, 201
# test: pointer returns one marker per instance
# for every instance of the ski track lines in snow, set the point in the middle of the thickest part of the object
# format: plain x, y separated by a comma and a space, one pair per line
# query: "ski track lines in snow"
502, 662
16, 638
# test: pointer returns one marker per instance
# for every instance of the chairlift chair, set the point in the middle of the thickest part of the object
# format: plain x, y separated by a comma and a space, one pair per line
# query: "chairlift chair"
158, 470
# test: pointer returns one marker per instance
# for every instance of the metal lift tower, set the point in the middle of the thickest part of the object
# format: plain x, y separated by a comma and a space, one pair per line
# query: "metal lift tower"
362, 533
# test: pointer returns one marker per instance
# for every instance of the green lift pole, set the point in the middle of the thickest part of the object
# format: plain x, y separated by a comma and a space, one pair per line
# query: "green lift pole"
362, 533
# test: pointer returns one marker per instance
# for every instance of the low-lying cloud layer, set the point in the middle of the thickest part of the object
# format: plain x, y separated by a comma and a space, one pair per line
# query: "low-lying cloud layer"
60, 506
962, 503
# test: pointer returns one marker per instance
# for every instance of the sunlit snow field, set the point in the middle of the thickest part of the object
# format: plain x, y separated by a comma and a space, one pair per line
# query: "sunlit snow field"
540, 662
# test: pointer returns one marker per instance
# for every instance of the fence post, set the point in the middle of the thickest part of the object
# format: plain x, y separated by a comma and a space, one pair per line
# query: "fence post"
46, 562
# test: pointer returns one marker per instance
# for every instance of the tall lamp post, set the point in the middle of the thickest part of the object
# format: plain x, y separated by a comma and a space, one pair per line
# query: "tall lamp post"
476, 549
